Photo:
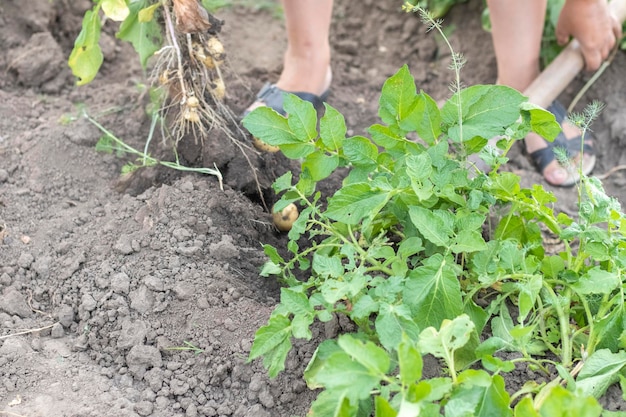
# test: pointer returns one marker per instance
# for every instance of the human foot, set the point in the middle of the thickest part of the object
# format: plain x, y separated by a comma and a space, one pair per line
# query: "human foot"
543, 156
311, 84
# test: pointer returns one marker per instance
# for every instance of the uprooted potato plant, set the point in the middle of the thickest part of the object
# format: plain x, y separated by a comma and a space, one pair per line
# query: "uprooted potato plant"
178, 41
426, 254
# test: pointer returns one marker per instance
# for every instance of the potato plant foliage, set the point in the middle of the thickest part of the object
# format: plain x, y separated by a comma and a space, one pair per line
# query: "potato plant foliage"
423, 251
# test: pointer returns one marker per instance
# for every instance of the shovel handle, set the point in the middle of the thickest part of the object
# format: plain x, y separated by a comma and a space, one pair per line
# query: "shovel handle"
565, 67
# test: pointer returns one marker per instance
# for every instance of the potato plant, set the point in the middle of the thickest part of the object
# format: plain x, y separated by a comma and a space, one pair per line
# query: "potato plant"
180, 38
179, 41
423, 252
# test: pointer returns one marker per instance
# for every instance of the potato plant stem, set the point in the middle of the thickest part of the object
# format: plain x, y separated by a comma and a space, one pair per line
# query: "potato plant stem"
153, 122
542, 312
563, 318
148, 160
169, 25
549, 221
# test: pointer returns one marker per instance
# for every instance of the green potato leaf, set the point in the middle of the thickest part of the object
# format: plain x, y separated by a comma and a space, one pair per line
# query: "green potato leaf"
434, 228
320, 165
486, 111
392, 322
270, 127
86, 57
398, 97
360, 151
600, 371
479, 395
146, 36
332, 128
433, 292
302, 117
354, 202
424, 118
272, 342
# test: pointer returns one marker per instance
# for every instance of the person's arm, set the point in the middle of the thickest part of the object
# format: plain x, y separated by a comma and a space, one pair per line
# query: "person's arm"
591, 23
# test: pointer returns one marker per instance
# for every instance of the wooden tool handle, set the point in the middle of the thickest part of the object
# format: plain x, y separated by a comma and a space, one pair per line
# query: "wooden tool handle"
556, 76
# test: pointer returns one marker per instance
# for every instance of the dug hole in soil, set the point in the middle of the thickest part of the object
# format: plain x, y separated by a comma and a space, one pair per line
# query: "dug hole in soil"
145, 302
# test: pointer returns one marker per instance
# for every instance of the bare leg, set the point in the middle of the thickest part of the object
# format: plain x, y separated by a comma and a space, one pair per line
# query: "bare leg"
306, 63
517, 29
307, 59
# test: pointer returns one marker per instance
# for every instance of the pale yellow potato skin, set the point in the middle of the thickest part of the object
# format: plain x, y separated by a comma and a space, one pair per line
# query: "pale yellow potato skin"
284, 219
264, 147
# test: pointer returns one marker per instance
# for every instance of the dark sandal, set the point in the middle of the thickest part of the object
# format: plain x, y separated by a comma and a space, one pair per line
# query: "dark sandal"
272, 96
543, 157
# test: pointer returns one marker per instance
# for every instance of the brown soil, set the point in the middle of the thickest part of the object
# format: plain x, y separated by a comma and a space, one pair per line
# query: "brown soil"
108, 286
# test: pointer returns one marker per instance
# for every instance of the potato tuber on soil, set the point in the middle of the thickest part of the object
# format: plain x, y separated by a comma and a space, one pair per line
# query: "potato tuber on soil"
284, 219
264, 147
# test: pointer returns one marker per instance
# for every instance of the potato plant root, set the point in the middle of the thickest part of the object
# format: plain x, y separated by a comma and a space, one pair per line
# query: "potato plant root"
190, 70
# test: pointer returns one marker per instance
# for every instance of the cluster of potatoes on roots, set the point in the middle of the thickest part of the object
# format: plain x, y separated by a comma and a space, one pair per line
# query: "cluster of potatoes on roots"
197, 87
195, 82
210, 53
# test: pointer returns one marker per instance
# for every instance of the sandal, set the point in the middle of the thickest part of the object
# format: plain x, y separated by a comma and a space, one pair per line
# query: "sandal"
541, 158
272, 97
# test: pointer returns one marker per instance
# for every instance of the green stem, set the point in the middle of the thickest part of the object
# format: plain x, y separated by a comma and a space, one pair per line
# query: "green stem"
379, 268
563, 317
153, 123
590, 325
450, 362
537, 362
147, 159
291, 264
541, 312
550, 222
605, 306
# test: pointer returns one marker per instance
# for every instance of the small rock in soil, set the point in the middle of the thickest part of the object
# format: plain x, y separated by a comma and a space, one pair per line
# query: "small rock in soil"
49, 62
153, 283
57, 331
143, 408
142, 300
141, 357
14, 303
25, 260
15, 347
120, 283
225, 249
88, 303
133, 333
184, 291
124, 245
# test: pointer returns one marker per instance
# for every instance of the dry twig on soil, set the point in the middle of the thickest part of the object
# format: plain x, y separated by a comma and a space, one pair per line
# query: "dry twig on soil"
27, 331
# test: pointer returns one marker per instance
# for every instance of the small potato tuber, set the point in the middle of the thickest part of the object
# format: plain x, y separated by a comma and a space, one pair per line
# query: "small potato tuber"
284, 219
215, 49
201, 55
264, 147
219, 89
